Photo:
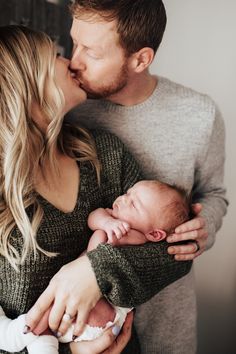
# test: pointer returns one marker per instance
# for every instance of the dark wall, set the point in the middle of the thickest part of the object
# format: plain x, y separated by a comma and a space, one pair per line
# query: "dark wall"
43, 15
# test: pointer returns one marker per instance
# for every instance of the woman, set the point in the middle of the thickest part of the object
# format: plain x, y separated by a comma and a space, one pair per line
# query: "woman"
52, 176
42, 165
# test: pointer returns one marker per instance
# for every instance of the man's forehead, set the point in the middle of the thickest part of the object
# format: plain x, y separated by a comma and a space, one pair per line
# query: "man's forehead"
93, 30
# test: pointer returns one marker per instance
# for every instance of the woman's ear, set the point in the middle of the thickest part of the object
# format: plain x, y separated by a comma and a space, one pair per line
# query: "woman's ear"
142, 59
156, 235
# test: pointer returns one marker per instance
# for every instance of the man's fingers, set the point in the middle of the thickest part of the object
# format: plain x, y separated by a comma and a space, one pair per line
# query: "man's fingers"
188, 251
96, 346
194, 224
183, 249
187, 257
123, 338
35, 314
191, 235
197, 208
127, 326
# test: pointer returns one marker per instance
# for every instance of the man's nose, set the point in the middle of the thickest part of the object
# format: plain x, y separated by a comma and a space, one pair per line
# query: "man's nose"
77, 62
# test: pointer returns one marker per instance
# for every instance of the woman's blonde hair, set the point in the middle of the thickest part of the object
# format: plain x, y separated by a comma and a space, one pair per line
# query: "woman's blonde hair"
27, 63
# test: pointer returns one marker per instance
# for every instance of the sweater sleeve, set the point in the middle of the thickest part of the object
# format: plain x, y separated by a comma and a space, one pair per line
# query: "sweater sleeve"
130, 275
209, 189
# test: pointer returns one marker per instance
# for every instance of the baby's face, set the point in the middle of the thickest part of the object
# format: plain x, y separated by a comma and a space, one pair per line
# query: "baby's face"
138, 206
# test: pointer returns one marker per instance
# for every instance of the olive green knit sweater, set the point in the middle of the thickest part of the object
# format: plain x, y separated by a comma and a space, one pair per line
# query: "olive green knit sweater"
127, 276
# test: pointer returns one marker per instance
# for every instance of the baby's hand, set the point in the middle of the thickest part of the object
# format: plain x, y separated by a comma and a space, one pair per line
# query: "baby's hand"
115, 229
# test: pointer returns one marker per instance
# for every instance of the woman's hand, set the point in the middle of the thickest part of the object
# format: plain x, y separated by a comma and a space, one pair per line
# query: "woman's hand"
195, 235
72, 292
108, 343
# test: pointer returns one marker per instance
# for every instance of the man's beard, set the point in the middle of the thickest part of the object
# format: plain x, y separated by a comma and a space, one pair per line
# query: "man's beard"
112, 88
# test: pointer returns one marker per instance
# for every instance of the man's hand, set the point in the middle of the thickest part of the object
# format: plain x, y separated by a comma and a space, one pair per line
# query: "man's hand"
115, 229
72, 292
108, 343
195, 235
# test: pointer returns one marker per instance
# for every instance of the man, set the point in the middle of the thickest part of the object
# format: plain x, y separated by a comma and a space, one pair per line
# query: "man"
176, 134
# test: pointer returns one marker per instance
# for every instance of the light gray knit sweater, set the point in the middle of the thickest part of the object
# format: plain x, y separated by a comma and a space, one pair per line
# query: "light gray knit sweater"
177, 135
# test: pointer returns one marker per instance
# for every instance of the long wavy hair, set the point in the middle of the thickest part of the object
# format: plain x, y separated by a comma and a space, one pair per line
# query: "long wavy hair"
27, 63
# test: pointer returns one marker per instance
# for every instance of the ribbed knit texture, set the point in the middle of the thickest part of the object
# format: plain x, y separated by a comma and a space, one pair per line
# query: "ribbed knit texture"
127, 276
177, 136
66, 233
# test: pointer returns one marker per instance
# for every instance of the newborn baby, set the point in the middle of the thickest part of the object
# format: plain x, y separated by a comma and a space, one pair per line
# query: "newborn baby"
148, 212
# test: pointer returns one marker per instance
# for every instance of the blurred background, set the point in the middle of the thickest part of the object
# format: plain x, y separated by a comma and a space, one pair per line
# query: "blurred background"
50, 16
199, 51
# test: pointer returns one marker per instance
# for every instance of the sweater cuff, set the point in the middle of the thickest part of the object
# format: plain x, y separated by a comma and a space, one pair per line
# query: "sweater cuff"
100, 267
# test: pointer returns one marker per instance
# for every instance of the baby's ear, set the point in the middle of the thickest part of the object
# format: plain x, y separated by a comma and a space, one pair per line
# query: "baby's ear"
156, 235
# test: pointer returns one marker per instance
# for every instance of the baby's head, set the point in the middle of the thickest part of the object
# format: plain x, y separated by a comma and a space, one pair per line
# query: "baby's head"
153, 207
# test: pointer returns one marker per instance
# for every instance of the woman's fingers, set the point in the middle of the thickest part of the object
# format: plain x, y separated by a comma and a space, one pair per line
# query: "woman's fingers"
42, 326
60, 319
37, 312
73, 291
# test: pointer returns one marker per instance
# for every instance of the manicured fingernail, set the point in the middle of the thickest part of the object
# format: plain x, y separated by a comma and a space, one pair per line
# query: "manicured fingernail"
26, 329
171, 250
58, 334
116, 330
74, 337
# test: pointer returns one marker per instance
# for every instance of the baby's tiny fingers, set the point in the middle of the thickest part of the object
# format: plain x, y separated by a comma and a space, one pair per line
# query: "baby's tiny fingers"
126, 226
118, 233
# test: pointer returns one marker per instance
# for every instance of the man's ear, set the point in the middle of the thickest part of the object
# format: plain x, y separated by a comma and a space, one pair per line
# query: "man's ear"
156, 235
142, 59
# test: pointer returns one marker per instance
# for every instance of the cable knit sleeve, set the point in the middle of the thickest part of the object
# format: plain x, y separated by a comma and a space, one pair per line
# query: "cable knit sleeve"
209, 189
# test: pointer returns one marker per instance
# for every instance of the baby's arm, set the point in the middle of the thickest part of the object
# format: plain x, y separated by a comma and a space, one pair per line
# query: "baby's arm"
101, 219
